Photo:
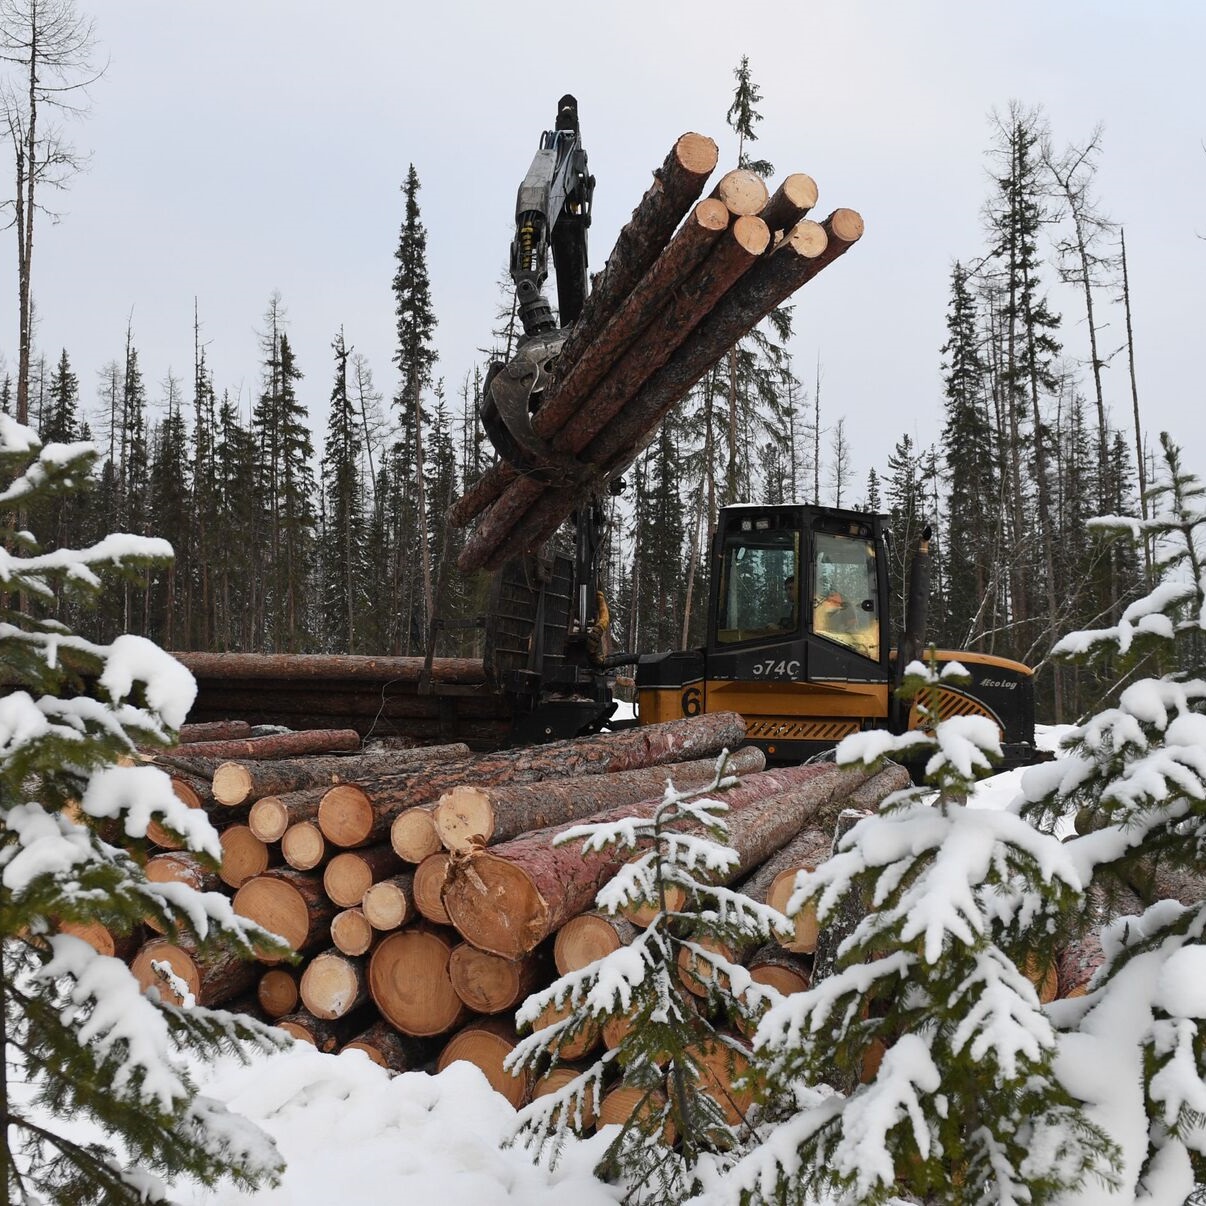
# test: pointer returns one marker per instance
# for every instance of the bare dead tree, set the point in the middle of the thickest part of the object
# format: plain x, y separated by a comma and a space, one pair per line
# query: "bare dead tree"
50, 47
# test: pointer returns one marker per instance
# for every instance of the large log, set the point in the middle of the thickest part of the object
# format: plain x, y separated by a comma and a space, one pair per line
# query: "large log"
237, 783
588, 937
799, 257
742, 192
490, 984
357, 814
389, 1049
508, 898
349, 875
214, 730
243, 855
310, 667
277, 745
429, 887
391, 902
792, 200
210, 980
327, 1034
409, 981
579, 1113
486, 1045
814, 848
289, 903
732, 255
333, 984
304, 846
676, 187
498, 814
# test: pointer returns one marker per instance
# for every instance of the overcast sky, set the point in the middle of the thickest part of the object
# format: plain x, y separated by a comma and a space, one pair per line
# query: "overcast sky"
244, 146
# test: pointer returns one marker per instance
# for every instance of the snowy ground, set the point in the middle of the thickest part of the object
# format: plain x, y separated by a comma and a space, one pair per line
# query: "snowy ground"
353, 1134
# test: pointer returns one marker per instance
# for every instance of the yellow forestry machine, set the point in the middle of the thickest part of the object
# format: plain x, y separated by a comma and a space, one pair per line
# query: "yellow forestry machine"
798, 636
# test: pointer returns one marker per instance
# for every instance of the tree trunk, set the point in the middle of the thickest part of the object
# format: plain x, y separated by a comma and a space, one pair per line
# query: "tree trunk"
310, 667
357, 814
409, 981
490, 984
486, 815
290, 904
211, 979
279, 745
236, 783
507, 899
333, 984
486, 1045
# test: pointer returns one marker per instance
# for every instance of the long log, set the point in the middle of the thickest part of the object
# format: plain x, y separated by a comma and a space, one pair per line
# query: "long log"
277, 745
308, 667
508, 898
676, 187
333, 984
214, 730
389, 1049
391, 902
486, 1045
327, 1034
357, 814
272, 816
792, 200
498, 814
236, 783
211, 980
742, 192
814, 848
490, 984
409, 981
349, 875
799, 257
732, 255
289, 903
351, 932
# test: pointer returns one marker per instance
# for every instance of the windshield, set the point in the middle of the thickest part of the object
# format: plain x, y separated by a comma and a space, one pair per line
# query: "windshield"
758, 592
845, 592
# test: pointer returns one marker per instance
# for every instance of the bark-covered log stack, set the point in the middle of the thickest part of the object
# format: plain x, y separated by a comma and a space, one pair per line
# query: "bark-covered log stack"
686, 280
421, 960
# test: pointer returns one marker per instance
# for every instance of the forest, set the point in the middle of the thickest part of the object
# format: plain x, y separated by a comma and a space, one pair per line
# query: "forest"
291, 540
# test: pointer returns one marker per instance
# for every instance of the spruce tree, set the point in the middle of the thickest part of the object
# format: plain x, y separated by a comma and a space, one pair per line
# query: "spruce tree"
680, 847
81, 1040
926, 1001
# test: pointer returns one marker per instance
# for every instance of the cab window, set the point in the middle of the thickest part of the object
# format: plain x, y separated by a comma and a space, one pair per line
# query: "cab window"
845, 593
759, 595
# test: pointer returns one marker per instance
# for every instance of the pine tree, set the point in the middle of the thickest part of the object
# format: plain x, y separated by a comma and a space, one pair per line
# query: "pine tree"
81, 1040
169, 488
925, 1002
343, 577
415, 357
680, 849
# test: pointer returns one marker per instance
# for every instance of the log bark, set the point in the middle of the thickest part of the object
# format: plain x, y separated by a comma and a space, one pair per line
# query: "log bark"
278, 745
211, 980
243, 855
486, 1045
351, 932
1078, 963
429, 885
588, 937
277, 992
501, 534
842, 922
348, 876
485, 815
214, 730
389, 1049
357, 814
270, 817
391, 902
237, 783
409, 981
792, 200
799, 257
510, 897
311, 667
290, 904
334, 984
328, 1035
490, 984
304, 846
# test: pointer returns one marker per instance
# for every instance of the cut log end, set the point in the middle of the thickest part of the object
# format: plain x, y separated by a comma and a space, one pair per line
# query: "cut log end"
487, 1048
345, 815
752, 234
495, 905
231, 784
463, 814
413, 835
846, 224
303, 846
711, 214
742, 191
351, 932
807, 239
697, 154
268, 819
390, 903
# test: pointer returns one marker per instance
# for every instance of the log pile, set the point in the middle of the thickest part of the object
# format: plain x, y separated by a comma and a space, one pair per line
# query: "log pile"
418, 961
686, 280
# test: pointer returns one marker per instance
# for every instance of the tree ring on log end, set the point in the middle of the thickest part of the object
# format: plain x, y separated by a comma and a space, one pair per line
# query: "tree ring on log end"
496, 906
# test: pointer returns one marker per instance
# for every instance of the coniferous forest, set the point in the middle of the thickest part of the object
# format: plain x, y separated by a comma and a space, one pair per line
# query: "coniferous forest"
292, 539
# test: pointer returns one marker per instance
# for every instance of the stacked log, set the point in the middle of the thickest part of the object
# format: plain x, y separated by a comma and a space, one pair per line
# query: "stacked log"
376, 973
687, 279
